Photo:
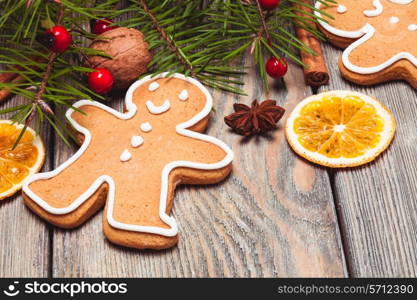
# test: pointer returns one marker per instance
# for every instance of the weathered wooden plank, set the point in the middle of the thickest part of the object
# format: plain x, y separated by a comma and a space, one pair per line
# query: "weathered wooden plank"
377, 202
274, 216
24, 238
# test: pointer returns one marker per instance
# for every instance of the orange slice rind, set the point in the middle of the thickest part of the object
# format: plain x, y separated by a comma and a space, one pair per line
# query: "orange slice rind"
340, 129
19, 163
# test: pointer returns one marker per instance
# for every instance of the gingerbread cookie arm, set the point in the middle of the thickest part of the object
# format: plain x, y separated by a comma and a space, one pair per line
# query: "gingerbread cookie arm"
401, 70
378, 36
362, 57
209, 157
43, 192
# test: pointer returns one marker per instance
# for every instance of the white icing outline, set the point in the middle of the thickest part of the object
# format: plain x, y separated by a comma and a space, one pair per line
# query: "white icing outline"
156, 110
130, 112
377, 11
363, 35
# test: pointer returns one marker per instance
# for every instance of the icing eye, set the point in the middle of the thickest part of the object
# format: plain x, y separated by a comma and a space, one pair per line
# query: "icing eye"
153, 86
183, 95
341, 9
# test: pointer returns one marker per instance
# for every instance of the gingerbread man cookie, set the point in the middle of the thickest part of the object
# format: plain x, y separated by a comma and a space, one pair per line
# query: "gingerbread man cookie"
380, 37
131, 163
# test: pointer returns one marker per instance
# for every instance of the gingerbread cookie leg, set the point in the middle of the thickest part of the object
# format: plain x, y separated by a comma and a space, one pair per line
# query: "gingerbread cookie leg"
57, 199
133, 217
141, 221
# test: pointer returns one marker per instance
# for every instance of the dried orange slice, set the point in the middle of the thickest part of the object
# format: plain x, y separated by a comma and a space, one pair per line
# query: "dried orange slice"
340, 129
17, 164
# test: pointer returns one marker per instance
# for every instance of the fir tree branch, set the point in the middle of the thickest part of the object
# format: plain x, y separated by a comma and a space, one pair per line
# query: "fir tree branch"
264, 26
199, 38
171, 45
51, 60
42, 77
185, 43
37, 101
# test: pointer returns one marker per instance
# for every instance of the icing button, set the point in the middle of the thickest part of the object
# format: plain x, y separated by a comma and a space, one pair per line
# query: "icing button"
145, 127
412, 27
125, 156
394, 20
136, 141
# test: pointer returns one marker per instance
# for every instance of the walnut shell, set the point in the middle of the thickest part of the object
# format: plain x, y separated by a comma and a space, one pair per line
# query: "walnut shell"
129, 51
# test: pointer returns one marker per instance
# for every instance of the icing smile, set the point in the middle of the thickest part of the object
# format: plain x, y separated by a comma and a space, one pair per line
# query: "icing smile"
377, 11
153, 109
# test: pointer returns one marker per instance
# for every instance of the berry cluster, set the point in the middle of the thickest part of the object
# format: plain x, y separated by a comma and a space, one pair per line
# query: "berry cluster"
59, 39
101, 80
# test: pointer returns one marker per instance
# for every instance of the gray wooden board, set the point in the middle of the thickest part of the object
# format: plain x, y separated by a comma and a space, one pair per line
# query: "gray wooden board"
274, 216
378, 202
24, 238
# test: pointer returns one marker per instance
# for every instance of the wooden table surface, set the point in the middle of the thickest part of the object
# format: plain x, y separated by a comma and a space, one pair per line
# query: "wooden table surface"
275, 216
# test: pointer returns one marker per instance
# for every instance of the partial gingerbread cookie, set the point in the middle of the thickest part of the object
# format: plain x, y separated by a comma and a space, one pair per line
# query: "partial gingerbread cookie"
131, 162
380, 37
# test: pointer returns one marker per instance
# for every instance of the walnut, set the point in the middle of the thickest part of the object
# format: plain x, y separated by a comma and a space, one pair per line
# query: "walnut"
129, 51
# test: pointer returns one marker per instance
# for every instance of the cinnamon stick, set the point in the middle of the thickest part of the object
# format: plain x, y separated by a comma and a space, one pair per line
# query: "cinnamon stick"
315, 70
6, 92
11, 77
7, 77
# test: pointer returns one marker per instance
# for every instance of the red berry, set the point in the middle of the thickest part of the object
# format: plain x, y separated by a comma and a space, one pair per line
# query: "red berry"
276, 68
103, 25
268, 4
100, 81
60, 38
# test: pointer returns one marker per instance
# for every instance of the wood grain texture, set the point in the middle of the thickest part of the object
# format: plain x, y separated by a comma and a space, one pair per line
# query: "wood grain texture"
274, 216
377, 202
24, 238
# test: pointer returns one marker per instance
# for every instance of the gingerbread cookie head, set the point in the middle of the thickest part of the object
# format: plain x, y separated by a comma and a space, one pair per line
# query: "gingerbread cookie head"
131, 162
169, 101
380, 36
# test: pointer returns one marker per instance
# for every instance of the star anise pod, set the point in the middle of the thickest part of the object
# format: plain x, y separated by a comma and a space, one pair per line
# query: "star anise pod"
258, 118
